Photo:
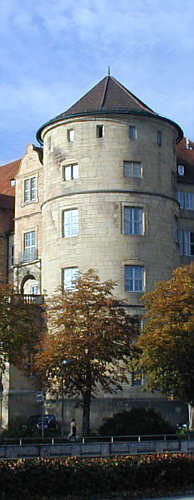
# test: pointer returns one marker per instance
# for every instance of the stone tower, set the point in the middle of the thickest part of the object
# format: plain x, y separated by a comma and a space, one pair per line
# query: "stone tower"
109, 193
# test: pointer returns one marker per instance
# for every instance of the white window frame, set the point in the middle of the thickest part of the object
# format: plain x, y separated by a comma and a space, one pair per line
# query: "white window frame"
132, 169
30, 191
133, 220
133, 132
71, 171
30, 246
135, 280
186, 200
69, 276
70, 221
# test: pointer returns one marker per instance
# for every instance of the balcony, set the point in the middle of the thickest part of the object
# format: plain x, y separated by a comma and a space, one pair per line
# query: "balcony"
27, 299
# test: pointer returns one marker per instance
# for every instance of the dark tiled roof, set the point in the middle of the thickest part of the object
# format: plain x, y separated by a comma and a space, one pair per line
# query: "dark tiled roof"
108, 96
8, 172
185, 156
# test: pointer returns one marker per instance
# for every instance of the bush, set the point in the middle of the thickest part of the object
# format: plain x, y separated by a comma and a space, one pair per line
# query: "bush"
72, 477
137, 421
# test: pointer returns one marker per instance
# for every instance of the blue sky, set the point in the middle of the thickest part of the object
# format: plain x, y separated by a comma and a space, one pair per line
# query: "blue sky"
53, 51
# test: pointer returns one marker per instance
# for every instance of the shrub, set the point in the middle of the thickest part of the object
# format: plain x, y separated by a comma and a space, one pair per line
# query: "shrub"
136, 421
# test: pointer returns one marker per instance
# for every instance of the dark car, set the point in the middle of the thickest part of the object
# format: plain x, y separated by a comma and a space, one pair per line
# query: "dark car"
35, 422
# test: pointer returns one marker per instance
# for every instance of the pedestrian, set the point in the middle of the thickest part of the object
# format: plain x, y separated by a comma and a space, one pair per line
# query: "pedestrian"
72, 434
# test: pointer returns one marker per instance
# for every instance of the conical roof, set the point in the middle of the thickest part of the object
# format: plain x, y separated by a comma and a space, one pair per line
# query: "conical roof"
108, 96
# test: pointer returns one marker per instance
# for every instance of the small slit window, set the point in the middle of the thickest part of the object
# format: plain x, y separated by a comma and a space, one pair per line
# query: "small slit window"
71, 135
132, 132
159, 138
99, 131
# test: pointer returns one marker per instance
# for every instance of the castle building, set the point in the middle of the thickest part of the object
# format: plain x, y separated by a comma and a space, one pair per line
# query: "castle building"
111, 187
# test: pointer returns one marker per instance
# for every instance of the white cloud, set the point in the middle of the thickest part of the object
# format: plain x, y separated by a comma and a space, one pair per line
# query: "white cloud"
51, 53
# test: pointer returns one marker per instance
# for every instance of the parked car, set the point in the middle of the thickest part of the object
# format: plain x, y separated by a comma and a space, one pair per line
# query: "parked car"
182, 427
34, 423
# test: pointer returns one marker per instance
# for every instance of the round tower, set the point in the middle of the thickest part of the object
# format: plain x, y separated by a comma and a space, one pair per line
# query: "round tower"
109, 193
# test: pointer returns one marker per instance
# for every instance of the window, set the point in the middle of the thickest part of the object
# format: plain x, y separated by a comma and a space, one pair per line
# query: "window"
133, 220
186, 200
181, 170
30, 189
187, 243
69, 277
70, 223
71, 172
99, 131
136, 378
132, 132
34, 289
159, 138
30, 252
134, 278
132, 169
71, 135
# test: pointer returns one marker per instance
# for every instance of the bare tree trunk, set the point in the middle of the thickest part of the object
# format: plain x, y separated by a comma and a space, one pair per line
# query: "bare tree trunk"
86, 413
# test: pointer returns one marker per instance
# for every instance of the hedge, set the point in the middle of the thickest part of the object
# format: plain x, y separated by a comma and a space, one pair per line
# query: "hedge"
72, 477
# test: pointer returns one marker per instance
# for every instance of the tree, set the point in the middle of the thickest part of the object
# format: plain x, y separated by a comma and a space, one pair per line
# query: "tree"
20, 328
167, 340
90, 326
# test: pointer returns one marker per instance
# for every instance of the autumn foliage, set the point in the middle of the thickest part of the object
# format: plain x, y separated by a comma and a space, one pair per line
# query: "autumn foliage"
88, 325
167, 340
20, 328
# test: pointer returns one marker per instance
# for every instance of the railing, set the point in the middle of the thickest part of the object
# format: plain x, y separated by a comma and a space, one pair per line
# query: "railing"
94, 439
27, 299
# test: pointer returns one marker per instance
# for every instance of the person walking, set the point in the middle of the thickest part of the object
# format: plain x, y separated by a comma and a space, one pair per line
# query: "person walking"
72, 434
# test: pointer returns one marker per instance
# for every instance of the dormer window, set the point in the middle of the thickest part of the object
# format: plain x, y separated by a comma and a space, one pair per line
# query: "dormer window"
181, 170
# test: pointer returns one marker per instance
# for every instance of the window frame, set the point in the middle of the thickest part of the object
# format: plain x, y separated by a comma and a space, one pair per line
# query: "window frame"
72, 167
133, 220
186, 200
70, 228
31, 199
133, 132
71, 135
72, 271
159, 138
186, 246
99, 131
30, 250
134, 279
131, 164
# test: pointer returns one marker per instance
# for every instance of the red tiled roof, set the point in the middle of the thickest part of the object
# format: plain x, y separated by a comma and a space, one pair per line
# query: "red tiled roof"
8, 172
185, 156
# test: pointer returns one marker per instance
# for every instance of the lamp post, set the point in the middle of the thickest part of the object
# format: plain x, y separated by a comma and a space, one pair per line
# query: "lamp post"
65, 363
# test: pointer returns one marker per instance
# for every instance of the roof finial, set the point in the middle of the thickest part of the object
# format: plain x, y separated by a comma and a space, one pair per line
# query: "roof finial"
108, 70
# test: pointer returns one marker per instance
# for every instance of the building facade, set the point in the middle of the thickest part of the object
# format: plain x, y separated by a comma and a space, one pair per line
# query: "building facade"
111, 187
